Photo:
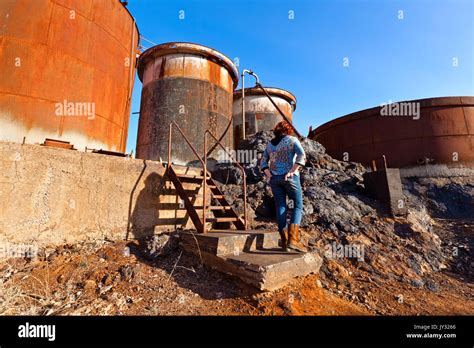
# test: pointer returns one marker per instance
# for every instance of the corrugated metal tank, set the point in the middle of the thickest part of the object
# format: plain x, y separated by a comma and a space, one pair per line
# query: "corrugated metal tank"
66, 52
191, 85
443, 133
260, 114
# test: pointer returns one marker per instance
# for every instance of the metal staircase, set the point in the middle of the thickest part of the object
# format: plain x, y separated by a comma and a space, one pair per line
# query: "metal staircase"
218, 209
250, 255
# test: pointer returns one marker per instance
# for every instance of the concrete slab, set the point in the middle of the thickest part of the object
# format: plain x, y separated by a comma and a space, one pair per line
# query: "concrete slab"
223, 242
252, 256
270, 270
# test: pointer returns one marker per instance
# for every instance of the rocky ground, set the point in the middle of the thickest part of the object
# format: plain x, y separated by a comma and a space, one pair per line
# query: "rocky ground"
373, 263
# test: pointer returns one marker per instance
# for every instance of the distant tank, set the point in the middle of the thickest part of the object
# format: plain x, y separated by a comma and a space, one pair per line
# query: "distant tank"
260, 113
408, 133
67, 70
191, 85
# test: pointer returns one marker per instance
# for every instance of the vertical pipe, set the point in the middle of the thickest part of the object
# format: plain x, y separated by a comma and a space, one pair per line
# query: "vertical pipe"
243, 105
245, 199
169, 145
204, 198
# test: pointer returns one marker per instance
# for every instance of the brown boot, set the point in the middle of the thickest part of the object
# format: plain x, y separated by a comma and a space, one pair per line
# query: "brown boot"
284, 239
294, 239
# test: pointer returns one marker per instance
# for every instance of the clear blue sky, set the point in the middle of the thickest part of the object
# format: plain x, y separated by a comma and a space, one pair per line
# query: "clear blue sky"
389, 58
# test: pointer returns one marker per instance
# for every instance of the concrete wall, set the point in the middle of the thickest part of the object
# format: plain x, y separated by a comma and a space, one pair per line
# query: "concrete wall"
436, 171
51, 196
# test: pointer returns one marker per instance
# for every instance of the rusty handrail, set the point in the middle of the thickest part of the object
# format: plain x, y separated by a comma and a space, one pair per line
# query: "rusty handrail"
374, 162
244, 177
168, 166
173, 123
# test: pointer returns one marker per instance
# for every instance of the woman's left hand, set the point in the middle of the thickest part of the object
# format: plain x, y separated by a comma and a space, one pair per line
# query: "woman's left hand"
289, 175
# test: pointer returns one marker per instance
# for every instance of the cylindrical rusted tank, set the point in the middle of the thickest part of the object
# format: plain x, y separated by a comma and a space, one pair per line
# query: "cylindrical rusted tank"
191, 85
67, 70
443, 133
260, 114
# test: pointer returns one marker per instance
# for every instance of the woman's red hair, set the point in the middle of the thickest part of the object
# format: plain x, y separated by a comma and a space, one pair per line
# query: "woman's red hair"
283, 128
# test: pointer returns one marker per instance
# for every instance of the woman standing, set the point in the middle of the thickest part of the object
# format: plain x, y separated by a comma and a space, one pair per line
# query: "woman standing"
281, 162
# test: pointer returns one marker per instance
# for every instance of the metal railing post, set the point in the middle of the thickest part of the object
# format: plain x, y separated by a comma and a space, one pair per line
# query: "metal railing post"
244, 176
169, 145
204, 197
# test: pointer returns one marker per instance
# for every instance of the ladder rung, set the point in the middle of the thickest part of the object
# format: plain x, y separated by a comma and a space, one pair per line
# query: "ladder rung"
208, 196
214, 207
190, 176
222, 219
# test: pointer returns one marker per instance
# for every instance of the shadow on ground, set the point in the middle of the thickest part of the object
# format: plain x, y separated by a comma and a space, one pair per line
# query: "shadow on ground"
188, 272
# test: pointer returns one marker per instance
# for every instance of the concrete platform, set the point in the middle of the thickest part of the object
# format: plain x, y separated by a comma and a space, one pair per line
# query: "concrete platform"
252, 256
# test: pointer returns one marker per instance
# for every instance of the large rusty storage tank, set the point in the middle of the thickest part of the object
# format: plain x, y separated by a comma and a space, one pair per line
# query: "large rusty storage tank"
442, 133
191, 85
260, 113
67, 70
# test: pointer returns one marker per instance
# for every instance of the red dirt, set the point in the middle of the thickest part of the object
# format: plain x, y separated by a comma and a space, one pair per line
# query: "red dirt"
103, 280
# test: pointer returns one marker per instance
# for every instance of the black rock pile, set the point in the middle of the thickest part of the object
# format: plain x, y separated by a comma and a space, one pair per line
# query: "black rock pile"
336, 210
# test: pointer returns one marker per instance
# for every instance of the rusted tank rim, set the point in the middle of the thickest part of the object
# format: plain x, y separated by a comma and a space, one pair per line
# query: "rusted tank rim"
190, 48
273, 91
435, 102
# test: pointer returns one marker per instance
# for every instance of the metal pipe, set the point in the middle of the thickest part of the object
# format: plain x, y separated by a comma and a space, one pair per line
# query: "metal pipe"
169, 145
204, 198
279, 110
250, 72
243, 104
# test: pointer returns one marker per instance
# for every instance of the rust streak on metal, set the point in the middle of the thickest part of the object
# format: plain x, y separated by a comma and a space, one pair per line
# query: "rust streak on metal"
63, 60
189, 84
260, 113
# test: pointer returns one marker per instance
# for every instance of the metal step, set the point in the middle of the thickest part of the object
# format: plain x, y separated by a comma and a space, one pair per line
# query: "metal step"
208, 196
222, 219
192, 177
214, 207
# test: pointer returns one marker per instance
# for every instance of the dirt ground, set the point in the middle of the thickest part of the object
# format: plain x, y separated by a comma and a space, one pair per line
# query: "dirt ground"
110, 278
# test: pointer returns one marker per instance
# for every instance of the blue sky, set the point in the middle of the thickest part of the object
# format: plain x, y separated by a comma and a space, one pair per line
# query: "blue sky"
389, 58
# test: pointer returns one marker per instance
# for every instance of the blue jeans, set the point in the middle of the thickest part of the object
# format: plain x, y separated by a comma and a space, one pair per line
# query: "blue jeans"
292, 189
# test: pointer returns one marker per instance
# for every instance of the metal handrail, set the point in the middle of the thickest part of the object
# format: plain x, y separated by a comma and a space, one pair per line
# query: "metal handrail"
168, 166
374, 163
244, 177
173, 123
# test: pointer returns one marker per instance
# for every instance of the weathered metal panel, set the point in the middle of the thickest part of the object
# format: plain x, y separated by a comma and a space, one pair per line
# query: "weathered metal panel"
52, 51
191, 85
443, 133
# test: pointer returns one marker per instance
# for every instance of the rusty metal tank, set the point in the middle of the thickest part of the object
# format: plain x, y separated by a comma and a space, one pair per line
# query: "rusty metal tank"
260, 114
442, 133
67, 70
191, 85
